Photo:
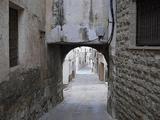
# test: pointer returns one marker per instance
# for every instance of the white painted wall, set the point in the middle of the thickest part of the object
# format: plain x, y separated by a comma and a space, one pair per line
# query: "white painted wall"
68, 66
66, 72
78, 55
31, 22
77, 13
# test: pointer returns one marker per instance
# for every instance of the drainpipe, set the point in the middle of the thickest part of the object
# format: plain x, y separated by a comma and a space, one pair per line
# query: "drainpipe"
111, 99
112, 22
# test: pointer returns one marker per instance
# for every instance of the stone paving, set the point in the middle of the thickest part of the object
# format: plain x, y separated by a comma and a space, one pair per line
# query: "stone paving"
84, 99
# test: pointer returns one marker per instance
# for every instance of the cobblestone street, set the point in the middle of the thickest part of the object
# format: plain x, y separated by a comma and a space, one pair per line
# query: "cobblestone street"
84, 99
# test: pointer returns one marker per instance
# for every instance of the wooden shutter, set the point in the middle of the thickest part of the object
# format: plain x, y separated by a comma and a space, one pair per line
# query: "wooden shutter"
148, 22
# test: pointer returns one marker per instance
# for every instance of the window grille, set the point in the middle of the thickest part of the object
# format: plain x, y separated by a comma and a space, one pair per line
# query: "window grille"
148, 23
13, 37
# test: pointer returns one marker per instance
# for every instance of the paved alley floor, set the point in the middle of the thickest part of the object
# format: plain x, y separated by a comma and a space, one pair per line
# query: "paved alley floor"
85, 70
84, 99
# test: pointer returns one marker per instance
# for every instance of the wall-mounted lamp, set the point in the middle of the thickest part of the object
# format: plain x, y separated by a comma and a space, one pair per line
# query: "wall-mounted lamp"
100, 32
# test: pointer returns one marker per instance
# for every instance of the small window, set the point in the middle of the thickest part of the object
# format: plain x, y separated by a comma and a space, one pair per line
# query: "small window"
148, 23
13, 37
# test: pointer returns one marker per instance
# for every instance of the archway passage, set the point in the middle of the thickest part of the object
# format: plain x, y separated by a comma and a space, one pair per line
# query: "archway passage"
85, 97
84, 60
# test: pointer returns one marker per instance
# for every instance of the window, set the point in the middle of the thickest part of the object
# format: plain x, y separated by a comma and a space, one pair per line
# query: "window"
148, 23
13, 37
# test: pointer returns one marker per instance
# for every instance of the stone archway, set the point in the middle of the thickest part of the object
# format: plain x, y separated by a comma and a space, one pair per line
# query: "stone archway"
102, 48
98, 63
56, 55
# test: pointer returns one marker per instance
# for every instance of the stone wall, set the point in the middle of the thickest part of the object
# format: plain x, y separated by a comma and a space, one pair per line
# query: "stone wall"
137, 83
29, 93
55, 63
34, 85
20, 97
26, 95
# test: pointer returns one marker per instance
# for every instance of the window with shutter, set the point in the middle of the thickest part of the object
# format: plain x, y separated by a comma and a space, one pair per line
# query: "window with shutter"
13, 37
148, 23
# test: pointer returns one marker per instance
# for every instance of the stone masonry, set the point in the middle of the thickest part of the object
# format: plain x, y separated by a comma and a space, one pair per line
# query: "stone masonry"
34, 86
137, 80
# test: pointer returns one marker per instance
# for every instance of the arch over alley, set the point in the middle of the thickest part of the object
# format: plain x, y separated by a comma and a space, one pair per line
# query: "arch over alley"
85, 89
82, 56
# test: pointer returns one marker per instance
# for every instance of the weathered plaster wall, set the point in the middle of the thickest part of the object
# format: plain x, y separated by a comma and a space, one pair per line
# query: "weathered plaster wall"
27, 95
4, 48
66, 71
34, 86
21, 96
31, 29
55, 64
137, 83
31, 23
80, 19
49, 15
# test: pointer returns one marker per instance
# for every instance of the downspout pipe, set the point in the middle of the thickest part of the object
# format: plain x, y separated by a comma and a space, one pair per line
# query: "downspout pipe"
112, 21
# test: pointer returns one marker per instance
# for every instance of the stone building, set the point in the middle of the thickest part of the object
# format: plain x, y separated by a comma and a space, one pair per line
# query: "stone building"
26, 91
33, 47
69, 67
135, 82
98, 64
30, 69
84, 57
102, 68
79, 22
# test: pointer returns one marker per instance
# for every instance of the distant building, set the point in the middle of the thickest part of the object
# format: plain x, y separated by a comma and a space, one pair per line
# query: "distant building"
69, 67
81, 57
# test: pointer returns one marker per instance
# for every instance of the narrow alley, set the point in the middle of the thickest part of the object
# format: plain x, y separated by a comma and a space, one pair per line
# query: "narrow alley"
79, 59
84, 99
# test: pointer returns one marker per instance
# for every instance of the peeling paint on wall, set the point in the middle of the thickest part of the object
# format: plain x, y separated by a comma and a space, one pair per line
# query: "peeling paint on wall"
81, 14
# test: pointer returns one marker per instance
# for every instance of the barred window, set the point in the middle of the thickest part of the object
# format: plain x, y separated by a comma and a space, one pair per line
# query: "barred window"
148, 23
13, 37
